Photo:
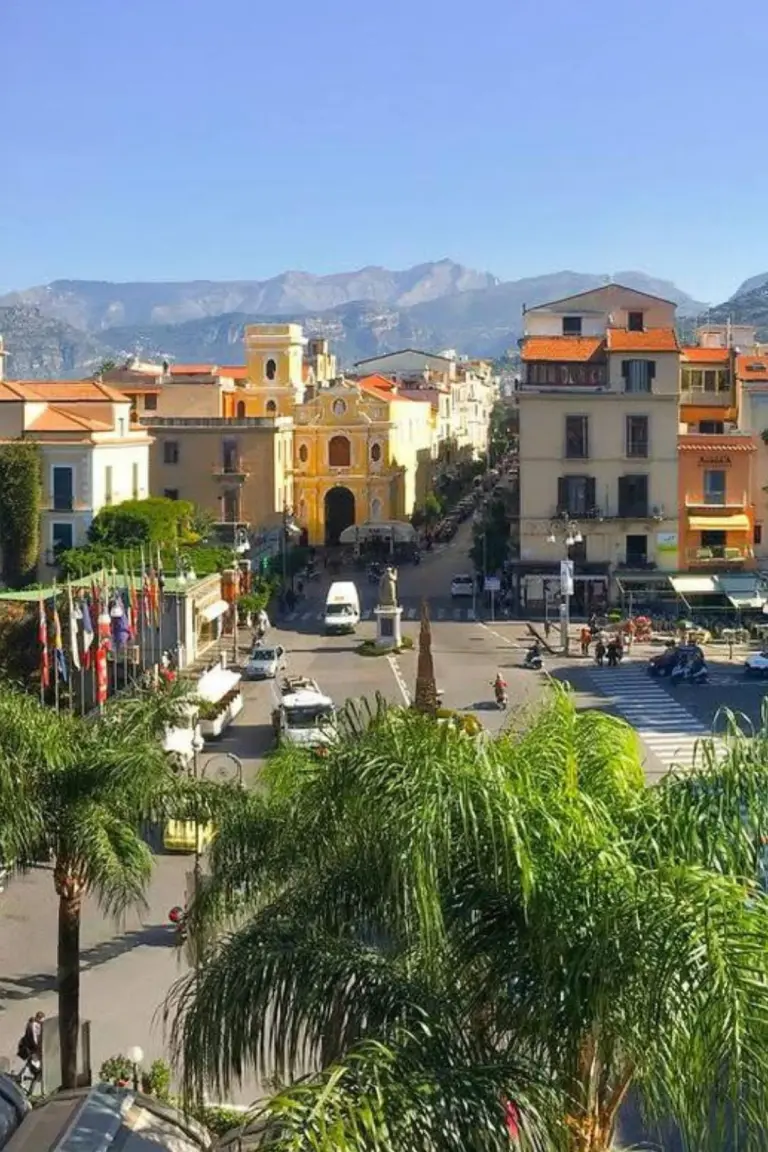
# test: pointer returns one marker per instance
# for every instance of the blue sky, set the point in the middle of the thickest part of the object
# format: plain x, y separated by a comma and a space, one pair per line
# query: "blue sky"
180, 139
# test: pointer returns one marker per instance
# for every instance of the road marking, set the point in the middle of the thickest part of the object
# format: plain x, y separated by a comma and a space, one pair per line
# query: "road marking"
667, 729
400, 680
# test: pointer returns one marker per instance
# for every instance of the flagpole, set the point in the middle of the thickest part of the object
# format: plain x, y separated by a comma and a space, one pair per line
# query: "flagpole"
160, 601
55, 654
128, 607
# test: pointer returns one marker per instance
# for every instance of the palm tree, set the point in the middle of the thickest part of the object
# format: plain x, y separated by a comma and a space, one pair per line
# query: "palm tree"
469, 923
77, 792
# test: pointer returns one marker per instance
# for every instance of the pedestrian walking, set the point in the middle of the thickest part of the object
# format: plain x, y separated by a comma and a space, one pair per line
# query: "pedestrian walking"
586, 640
599, 652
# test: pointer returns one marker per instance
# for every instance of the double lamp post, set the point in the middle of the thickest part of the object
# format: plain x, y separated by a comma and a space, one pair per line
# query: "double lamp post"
566, 532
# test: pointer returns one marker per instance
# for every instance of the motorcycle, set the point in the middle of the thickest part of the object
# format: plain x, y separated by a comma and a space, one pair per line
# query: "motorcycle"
533, 660
694, 672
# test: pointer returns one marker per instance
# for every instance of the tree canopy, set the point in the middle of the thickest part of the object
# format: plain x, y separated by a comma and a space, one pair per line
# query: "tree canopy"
133, 523
445, 929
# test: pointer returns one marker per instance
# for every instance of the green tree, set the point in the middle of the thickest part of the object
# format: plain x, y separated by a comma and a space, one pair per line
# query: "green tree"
21, 488
77, 792
470, 922
133, 523
490, 539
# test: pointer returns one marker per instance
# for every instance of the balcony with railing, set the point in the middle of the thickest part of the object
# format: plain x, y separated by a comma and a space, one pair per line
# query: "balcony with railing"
716, 501
722, 556
232, 468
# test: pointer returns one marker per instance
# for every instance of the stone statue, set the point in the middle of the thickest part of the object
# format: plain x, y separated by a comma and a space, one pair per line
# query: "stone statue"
388, 588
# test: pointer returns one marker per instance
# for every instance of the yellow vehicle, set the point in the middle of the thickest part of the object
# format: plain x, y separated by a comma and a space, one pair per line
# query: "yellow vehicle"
179, 835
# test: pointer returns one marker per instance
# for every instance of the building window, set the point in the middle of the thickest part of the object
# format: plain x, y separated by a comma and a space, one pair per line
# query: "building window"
303, 453
63, 489
108, 484
170, 452
230, 506
229, 458
240, 410
375, 453
636, 551
577, 437
270, 369
711, 427
575, 495
713, 542
571, 325
150, 403
633, 497
339, 452
171, 493
757, 534
714, 486
635, 322
62, 536
135, 481
121, 426
271, 407
339, 407
638, 375
637, 436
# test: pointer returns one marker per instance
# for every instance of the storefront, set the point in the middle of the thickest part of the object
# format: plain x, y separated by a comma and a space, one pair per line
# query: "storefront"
537, 589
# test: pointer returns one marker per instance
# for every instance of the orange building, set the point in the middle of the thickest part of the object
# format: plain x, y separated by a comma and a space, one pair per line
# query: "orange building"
717, 465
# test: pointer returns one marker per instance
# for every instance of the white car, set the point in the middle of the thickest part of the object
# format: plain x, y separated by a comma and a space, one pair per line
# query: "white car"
264, 663
756, 664
462, 586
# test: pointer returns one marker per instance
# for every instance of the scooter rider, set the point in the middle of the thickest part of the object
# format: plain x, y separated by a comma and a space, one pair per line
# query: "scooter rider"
533, 655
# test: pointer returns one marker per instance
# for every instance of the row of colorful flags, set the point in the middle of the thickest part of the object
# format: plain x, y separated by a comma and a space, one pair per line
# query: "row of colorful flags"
98, 620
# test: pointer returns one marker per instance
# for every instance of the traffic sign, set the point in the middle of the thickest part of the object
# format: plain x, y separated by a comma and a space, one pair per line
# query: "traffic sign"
492, 584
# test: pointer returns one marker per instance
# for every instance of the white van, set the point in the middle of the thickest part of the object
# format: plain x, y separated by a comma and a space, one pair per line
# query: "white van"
342, 607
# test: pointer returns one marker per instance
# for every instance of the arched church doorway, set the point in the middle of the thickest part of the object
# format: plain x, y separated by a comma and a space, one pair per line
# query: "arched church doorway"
339, 507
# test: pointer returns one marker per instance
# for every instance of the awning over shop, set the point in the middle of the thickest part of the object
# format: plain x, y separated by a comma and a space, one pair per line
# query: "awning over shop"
743, 592
694, 585
738, 522
215, 610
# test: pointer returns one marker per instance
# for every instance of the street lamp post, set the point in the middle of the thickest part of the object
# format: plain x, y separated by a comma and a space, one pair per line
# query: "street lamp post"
566, 531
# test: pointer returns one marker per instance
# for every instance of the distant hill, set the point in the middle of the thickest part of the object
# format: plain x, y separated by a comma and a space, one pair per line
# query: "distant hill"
66, 327
746, 308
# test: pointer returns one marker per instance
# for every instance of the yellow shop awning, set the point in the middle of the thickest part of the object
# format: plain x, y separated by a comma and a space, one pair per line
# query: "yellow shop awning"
738, 522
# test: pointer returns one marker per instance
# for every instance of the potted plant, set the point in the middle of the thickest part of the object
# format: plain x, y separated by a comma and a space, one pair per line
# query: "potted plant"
117, 1070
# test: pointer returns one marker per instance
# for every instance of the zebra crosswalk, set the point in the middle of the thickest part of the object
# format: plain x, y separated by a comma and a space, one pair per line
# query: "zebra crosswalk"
668, 730
410, 612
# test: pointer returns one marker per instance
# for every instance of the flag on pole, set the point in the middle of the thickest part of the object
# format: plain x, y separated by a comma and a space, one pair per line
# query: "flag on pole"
58, 646
133, 600
42, 636
146, 594
73, 618
104, 623
120, 631
88, 633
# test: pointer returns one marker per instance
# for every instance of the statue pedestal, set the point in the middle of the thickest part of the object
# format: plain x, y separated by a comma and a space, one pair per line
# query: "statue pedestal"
388, 633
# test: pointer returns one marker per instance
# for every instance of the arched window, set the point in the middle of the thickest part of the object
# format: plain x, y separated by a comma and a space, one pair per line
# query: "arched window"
271, 407
303, 453
240, 410
339, 452
375, 453
271, 369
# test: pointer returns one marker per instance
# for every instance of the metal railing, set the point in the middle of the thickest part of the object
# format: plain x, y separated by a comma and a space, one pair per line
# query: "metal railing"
719, 555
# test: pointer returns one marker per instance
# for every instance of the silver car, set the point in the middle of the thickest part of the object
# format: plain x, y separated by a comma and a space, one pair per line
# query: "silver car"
264, 663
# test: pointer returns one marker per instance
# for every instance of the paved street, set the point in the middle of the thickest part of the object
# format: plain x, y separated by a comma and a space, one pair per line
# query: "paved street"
128, 968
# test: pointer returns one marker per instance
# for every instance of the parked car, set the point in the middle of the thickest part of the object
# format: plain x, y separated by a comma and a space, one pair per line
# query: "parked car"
462, 585
756, 664
264, 663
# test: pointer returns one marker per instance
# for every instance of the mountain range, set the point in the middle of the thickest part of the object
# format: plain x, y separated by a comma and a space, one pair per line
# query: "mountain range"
67, 327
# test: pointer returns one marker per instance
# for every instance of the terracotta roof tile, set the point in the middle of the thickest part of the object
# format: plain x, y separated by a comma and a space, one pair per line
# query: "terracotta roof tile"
233, 372
60, 419
562, 348
705, 355
752, 367
652, 340
193, 369
64, 391
383, 389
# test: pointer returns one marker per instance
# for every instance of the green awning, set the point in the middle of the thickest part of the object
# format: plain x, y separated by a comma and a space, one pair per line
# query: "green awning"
695, 585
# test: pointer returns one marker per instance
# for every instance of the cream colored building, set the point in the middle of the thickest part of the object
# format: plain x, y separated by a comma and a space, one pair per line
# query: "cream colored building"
91, 454
469, 388
598, 405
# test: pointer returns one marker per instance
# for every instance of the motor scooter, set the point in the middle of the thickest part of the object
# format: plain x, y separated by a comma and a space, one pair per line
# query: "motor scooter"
178, 917
533, 660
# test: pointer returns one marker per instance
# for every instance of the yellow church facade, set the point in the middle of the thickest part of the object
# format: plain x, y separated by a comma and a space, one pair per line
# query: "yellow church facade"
361, 451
